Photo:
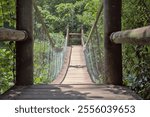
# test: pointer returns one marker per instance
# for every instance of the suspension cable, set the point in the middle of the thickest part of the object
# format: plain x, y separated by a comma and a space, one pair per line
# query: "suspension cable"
43, 24
93, 51
95, 23
48, 58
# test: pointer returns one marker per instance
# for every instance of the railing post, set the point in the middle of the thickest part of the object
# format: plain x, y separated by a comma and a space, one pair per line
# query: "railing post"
113, 53
67, 35
24, 49
82, 34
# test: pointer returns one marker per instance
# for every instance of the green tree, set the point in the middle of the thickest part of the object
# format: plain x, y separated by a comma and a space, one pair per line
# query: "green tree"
136, 58
7, 63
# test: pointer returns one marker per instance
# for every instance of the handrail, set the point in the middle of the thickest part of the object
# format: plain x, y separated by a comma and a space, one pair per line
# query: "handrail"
43, 24
12, 35
95, 23
139, 36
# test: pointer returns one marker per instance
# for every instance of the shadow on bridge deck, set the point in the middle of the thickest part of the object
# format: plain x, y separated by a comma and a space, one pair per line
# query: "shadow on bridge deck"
69, 92
75, 86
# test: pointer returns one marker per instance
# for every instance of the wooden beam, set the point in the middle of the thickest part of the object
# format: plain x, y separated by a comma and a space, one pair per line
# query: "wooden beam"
139, 36
112, 52
74, 34
24, 49
12, 35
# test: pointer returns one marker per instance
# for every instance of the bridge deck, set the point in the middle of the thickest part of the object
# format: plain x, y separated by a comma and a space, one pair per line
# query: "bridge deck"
76, 85
77, 71
72, 92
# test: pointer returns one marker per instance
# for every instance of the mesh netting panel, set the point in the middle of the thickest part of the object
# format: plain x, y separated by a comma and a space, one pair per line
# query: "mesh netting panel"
48, 58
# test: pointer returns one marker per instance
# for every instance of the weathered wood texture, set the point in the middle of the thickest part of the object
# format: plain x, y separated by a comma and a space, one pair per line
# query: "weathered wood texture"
113, 53
139, 36
74, 34
67, 35
24, 49
67, 32
12, 35
77, 72
71, 92
82, 36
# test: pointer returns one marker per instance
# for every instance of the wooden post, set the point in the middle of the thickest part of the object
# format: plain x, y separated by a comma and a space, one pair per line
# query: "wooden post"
67, 35
24, 49
82, 36
113, 53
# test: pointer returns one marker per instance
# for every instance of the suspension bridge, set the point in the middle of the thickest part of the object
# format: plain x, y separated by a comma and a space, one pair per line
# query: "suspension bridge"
73, 71
72, 82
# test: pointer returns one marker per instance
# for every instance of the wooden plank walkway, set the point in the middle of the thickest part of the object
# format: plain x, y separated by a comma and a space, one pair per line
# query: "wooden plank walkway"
76, 85
77, 71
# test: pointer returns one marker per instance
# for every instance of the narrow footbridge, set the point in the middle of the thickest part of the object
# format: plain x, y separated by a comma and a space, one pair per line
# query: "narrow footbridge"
73, 82
74, 70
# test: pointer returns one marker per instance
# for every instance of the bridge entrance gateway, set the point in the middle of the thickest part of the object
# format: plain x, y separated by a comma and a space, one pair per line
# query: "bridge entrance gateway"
77, 74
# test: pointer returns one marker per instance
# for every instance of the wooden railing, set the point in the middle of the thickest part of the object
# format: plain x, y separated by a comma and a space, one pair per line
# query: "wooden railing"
77, 35
139, 36
12, 35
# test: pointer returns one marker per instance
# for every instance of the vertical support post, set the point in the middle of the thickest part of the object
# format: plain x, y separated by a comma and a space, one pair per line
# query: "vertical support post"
24, 49
82, 33
113, 52
67, 36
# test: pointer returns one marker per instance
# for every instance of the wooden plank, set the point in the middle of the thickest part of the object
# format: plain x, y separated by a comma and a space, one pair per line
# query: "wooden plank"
112, 52
24, 49
77, 74
139, 36
12, 35
74, 34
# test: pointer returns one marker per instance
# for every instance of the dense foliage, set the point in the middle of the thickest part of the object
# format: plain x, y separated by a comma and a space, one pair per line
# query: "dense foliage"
7, 60
63, 12
136, 59
59, 13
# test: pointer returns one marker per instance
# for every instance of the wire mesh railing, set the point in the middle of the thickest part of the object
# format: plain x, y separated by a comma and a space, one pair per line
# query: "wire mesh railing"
93, 51
48, 57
